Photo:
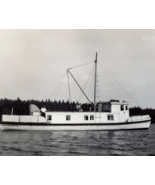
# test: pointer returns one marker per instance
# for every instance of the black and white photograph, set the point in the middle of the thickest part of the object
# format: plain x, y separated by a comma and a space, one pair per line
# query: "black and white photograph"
77, 96
77, 92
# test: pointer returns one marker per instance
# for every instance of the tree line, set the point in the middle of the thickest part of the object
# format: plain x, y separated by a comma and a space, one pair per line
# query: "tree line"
21, 107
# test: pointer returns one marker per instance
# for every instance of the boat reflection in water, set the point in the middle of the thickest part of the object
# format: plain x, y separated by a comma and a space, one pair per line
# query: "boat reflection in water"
49, 143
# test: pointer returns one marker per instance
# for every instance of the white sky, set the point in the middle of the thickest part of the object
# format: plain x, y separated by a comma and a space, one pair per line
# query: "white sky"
34, 61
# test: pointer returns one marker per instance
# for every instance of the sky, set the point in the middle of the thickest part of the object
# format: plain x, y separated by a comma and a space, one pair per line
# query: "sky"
34, 64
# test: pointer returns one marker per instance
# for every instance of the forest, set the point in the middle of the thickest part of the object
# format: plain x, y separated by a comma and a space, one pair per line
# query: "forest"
21, 107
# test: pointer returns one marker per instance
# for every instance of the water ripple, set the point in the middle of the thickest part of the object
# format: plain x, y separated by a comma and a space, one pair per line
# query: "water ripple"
77, 143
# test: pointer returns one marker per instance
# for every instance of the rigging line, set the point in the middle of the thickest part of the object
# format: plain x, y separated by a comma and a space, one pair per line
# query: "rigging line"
98, 88
120, 85
89, 95
91, 89
59, 88
86, 84
81, 65
58, 85
69, 87
91, 92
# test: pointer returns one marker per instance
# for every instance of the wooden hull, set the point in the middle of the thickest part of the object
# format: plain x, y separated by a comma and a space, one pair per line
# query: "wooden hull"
100, 126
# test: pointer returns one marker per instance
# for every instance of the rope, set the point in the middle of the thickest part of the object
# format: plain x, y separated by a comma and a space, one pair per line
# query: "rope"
58, 85
120, 85
91, 90
80, 65
59, 88
86, 84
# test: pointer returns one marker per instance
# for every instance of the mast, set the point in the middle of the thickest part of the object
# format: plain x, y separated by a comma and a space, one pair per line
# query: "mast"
95, 84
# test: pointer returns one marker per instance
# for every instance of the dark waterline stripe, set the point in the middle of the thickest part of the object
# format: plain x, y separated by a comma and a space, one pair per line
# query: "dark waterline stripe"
69, 124
81, 130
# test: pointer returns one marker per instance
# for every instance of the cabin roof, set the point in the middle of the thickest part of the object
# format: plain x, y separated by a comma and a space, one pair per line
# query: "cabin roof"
120, 103
116, 102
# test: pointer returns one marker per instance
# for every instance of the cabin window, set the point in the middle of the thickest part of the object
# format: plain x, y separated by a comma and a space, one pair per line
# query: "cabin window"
110, 117
68, 117
126, 107
49, 117
43, 114
122, 107
85, 117
91, 117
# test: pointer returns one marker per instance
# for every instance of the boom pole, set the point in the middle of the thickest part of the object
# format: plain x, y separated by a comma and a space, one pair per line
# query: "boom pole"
78, 85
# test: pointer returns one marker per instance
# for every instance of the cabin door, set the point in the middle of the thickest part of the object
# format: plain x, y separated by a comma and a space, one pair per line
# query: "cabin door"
122, 117
98, 117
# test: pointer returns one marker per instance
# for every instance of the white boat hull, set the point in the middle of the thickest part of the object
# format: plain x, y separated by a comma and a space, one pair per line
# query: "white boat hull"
104, 126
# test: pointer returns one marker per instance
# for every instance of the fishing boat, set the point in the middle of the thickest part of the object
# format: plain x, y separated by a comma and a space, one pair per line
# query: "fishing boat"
110, 115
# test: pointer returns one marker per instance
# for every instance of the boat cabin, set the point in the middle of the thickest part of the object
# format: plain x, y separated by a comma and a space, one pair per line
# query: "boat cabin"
111, 111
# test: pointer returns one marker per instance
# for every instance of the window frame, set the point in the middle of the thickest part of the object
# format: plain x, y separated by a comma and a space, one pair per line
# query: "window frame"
68, 117
122, 107
110, 117
86, 116
49, 117
91, 116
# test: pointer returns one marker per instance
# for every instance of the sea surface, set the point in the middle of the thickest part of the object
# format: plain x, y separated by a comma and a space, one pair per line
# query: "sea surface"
78, 143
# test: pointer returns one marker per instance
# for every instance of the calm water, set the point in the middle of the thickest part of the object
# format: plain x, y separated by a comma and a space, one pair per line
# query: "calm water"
23, 143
